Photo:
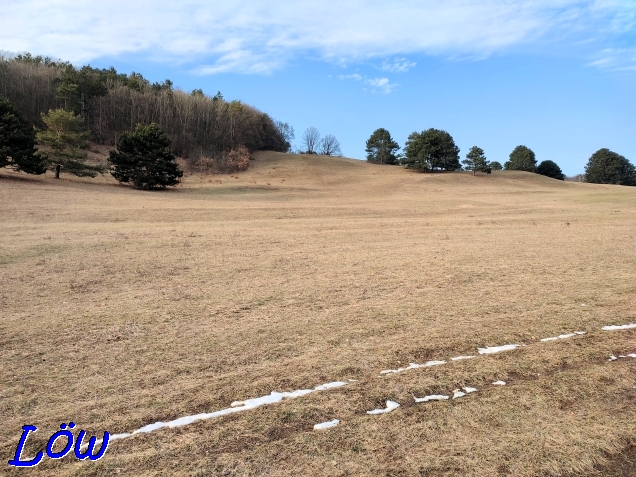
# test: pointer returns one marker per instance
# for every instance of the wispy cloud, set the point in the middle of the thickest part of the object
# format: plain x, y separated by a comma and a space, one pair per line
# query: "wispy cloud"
615, 59
381, 85
377, 85
399, 65
250, 36
354, 76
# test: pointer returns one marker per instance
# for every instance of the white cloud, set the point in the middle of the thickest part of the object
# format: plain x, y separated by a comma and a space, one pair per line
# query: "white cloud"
251, 36
399, 65
354, 76
381, 85
615, 59
378, 85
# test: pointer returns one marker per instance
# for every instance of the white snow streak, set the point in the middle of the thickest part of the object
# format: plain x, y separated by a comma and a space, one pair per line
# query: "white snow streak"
237, 406
562, 337
413, 366
326, 425
497, 349
390, 406
461, 357
614, 358
457, 393
499, 383
432, 397
618, 327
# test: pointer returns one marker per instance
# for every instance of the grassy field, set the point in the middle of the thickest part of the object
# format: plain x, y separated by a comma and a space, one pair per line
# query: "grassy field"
121, 308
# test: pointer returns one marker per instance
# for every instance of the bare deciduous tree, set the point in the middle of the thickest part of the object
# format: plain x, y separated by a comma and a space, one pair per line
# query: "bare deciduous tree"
311, 140
329, 146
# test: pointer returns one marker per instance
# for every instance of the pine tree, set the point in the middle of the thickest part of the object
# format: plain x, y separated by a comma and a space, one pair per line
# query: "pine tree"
64, 143
521, 159
381, 147
608, 167
431, 150
476, 161
550, 169
143, 157
17, 141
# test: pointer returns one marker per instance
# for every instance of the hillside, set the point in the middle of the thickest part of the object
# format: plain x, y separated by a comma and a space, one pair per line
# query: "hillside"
124, 308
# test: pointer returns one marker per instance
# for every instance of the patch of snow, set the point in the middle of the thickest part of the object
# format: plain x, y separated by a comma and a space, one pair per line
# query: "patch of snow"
390, 406
413, 366
618, 327
470, 390
631, 355
497, 349
612, 358
236, 406
353, 380
458, 394
323, 387
461, 357
499, 383
327, 425
432, 397
562, 337
583, 304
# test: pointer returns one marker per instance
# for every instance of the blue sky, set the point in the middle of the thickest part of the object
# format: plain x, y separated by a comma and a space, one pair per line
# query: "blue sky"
557, 76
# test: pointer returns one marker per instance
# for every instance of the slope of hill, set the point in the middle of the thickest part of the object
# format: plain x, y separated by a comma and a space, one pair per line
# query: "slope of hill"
123, 308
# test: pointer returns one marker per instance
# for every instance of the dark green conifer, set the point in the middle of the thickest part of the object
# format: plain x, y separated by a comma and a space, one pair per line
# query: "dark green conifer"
143, 157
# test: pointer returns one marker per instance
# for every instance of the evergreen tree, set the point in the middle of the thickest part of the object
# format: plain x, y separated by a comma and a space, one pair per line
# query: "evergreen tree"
381, 147
496, 166
17, 141
431, 150
607, 167
550, 169
476, 161
64, 144
143, 157
521, 159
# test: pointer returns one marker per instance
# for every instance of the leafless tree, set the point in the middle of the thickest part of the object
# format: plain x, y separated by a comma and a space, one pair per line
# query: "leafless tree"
329, 146
311, 140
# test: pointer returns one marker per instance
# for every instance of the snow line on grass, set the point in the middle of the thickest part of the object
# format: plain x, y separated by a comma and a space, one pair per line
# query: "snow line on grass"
499, 383
413, 366
458, 358
432, 397
327, 425
562, 337
618, 327
236, 406
614, 358
497, 349
390, 406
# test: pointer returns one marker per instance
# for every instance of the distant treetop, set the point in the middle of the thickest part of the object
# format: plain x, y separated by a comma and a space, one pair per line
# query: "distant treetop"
431, 150
521, 159
381, 147
608, 167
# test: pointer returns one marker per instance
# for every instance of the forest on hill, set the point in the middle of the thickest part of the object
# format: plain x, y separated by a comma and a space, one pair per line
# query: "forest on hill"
111, 103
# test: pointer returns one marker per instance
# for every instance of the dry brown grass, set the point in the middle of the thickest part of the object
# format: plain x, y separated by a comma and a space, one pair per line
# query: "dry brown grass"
122, 307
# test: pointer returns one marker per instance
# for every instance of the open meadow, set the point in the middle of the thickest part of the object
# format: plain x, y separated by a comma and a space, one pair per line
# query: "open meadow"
121, 308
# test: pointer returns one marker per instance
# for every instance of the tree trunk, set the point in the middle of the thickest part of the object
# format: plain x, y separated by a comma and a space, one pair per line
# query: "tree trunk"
57, 171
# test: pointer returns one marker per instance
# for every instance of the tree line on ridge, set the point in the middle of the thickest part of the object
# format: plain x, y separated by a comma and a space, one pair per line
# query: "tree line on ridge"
435, 150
